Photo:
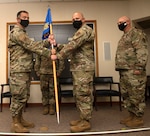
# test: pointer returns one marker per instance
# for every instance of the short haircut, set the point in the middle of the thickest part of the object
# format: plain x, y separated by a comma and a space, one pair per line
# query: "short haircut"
22, 11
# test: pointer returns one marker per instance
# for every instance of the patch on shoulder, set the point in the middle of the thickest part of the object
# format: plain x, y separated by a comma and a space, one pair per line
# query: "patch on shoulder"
78, 33
22, 37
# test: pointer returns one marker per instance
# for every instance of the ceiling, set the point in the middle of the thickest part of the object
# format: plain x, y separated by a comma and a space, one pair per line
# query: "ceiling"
19, 1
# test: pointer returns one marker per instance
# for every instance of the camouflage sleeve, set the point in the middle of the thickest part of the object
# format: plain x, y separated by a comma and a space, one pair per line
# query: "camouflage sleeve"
60, 63
80, 37
37, 63
22, 39
60, 46
140, 44
61, 67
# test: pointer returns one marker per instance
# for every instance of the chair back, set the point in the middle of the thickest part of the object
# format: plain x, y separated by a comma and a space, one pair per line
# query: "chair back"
105, 88
103, 80
65, 81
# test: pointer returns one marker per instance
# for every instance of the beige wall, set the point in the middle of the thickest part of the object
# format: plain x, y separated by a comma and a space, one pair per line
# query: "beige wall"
139, 8
105, 12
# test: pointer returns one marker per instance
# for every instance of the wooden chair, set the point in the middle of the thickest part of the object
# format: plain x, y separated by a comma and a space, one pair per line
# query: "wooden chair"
5, 94
106, 90
66, 93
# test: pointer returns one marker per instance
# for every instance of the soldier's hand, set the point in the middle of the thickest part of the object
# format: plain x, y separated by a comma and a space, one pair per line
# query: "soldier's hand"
51, 39
53, 57
136, 72
53, 51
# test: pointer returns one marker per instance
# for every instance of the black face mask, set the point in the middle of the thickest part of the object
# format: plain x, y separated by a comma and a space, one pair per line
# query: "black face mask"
122, 26
77, 24
24, 23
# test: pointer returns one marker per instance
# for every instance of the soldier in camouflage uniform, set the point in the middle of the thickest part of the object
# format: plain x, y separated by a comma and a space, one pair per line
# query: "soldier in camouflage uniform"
82, 66
21, 49
131, 59
44, 68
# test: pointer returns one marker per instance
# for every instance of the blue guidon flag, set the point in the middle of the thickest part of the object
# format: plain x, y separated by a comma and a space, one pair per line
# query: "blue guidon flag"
48, 21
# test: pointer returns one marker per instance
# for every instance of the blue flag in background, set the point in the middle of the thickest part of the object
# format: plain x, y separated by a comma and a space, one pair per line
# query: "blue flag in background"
48, 21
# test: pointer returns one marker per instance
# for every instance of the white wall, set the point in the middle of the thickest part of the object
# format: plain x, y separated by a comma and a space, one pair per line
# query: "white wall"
105, 12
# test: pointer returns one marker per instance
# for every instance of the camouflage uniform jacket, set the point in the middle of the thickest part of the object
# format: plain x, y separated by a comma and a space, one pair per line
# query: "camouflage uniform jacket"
44, 65
21, 49
81, 48
132, 52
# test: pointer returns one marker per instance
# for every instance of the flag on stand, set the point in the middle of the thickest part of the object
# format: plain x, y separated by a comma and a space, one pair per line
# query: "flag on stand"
48, 21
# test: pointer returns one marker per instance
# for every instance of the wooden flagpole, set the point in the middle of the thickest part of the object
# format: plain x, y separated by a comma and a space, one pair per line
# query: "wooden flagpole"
55, 82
